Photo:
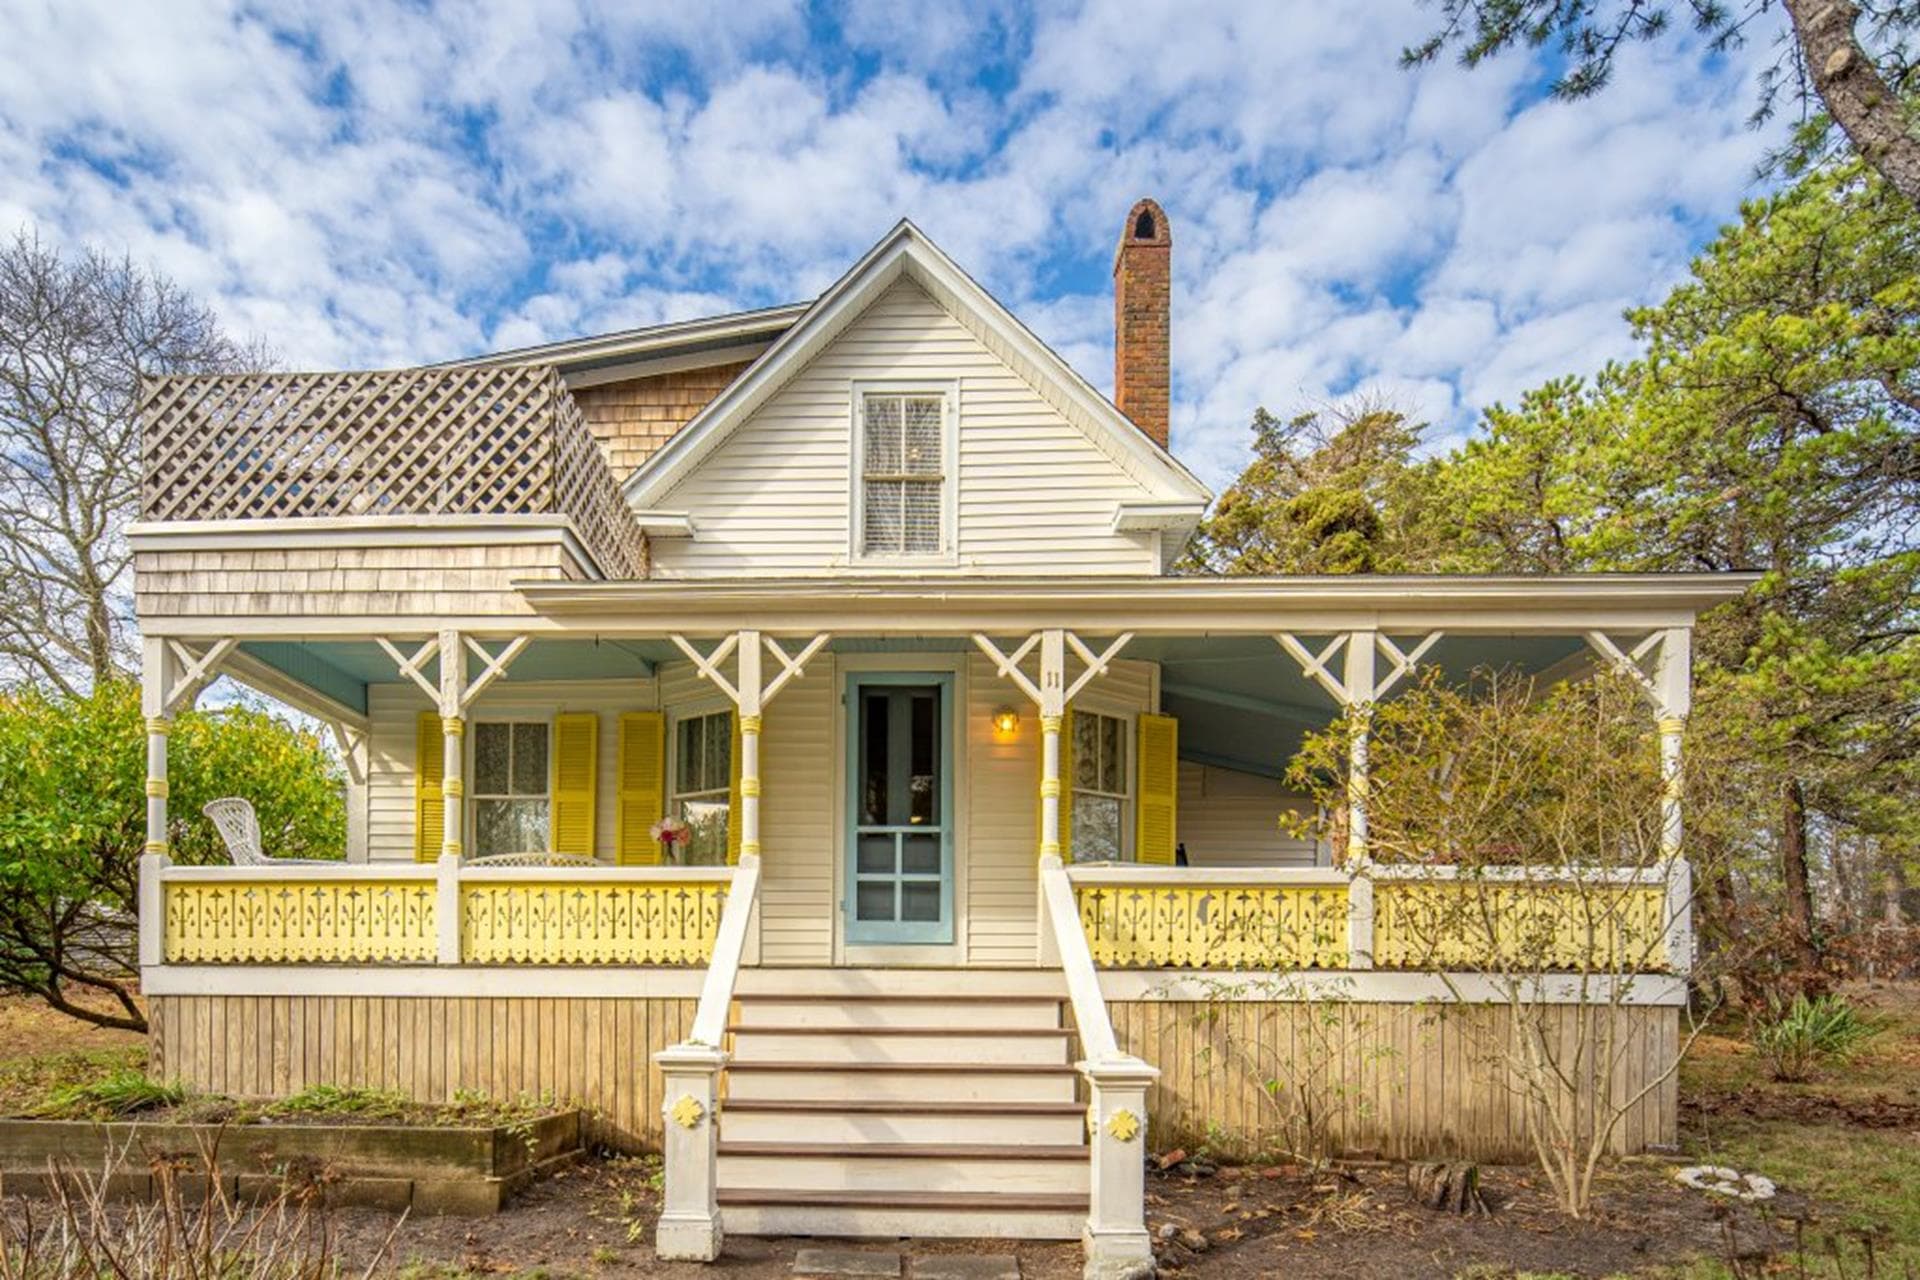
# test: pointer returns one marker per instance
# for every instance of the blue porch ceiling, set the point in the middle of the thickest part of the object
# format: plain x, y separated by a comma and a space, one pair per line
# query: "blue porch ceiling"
1242, 702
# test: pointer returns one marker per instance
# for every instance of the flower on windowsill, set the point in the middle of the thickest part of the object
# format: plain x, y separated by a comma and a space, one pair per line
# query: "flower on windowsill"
670, 833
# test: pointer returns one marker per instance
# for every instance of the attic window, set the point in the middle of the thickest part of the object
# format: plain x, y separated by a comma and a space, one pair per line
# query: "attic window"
903, 476
1142, 226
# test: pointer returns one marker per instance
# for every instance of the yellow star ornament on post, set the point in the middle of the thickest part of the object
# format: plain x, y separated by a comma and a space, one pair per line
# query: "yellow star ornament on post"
1123, 1126
687, 1112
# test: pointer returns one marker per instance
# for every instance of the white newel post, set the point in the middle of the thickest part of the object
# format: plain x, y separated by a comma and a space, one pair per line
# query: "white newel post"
453, 788
446, 908
689, 1228
1117, 1244
152, 909
750, 726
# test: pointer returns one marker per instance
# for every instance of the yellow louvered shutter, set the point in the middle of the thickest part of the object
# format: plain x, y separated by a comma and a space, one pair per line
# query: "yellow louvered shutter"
429, 805
576, 750
1159, 775
643, 787
733, 794
1066, 788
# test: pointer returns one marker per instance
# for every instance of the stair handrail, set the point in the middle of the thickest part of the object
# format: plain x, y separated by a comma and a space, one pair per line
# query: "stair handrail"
1115, 1238
689, 1228
1076, 963
729, 949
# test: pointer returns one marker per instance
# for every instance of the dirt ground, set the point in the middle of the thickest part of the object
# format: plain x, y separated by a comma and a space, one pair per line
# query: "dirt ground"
1845, 1149
597, 1221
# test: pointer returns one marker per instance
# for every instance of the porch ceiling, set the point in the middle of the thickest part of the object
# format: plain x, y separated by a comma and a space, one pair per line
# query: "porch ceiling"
1241, 701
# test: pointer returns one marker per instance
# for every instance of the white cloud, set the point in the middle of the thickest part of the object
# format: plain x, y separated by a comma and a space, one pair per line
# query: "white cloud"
370, 184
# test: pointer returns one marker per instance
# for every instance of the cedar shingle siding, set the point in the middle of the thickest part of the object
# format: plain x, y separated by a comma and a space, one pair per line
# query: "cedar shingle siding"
632, 419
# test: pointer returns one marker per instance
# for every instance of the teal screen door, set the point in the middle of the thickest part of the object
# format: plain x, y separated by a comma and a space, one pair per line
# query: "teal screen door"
900, 868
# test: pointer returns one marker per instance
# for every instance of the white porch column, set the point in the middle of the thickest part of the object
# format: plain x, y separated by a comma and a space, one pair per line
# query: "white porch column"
1673, 692
689, 1227
1053, 711
749, 675
1116, 1240
159, 674
1358, 681
453, 728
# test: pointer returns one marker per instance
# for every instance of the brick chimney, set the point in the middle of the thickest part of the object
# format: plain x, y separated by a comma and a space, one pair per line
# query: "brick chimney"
1142, 296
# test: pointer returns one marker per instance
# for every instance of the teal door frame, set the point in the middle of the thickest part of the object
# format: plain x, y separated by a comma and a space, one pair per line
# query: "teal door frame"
858, 933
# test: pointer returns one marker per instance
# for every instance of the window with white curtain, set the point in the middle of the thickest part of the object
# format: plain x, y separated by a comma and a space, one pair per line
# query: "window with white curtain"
903, 458
511, 798
1101, 794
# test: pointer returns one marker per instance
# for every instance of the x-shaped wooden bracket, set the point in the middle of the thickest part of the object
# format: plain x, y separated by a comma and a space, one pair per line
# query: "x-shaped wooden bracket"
1319, 666
749, 692
197, 671
493, 666
1009, 665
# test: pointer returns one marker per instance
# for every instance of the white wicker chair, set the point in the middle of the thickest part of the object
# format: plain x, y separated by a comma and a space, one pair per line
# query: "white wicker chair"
234, 819
531, 860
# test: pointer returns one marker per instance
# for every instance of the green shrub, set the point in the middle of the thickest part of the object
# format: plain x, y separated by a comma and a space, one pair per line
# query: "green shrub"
1796, 1039
117, 1094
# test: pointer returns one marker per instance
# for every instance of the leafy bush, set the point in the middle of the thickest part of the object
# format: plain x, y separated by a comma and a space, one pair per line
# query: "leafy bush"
73, 771
120, 1093
1796, 1039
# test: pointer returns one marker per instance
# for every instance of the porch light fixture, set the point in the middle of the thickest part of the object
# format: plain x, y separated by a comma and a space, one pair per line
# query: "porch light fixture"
1005, 721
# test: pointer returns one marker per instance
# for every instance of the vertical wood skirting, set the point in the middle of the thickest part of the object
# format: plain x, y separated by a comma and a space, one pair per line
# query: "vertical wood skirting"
594, 1053
1400, 1080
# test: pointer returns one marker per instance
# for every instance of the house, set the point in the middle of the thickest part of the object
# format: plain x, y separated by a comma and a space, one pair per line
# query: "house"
872, 593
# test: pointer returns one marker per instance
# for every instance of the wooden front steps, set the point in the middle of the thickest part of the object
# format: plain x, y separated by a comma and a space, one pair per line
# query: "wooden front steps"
889, 1106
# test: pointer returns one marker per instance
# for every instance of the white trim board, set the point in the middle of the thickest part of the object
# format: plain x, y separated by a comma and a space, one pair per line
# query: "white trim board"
1364, 986
491, 981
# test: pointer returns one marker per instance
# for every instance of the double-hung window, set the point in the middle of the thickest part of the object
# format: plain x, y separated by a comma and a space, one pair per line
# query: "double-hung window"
702, 781
1101, 793
512, 801
903, 473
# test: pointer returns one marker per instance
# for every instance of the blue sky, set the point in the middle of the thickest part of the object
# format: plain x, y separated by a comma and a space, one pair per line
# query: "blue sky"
372, 184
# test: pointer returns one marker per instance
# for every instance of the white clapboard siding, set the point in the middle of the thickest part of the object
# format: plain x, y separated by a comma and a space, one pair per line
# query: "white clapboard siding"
797, 899
1003, 783
1034, 494
1232, 819
394, 710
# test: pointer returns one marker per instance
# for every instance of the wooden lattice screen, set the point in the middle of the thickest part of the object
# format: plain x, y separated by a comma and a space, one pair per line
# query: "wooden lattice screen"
494, 440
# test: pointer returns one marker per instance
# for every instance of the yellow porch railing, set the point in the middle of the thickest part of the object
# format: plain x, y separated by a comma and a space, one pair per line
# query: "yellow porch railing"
444, 914
1472, 924
1147, 922
562, 922
277, 921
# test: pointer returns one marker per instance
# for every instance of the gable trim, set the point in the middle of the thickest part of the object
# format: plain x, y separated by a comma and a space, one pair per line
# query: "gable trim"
906, 251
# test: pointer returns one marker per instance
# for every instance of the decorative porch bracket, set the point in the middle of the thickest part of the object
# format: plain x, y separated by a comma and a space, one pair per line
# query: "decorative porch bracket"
1358, 686
172, 678
750, 691
452, 695
1661, 665
1052, 694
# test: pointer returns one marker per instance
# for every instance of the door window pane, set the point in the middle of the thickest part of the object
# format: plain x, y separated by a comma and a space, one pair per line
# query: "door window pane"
919, 900
876, 855
874, 901
920, 855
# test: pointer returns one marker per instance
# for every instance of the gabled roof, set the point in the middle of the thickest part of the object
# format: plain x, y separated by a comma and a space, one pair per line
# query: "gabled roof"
610, 357
906, 252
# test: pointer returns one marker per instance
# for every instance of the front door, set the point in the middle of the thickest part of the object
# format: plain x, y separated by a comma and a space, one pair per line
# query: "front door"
900, 798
